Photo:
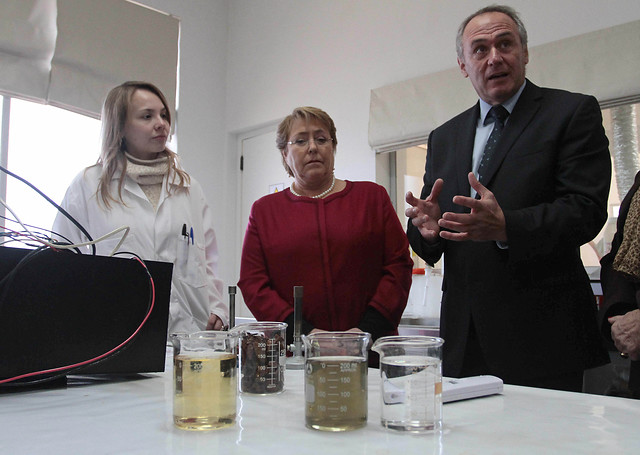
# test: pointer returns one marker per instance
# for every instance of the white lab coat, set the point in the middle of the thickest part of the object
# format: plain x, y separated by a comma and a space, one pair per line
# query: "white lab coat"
155, 235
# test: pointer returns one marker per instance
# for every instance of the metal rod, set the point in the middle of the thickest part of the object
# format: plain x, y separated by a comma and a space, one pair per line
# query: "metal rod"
232, 306
296, 362
298, 292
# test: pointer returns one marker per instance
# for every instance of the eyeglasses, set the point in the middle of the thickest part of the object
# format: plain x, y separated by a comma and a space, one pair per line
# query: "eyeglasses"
303, 143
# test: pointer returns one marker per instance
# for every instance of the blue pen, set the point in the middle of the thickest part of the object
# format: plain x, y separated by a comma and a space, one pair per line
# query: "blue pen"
191, 235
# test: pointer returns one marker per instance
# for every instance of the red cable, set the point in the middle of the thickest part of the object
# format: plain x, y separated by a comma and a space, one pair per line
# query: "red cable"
32, 237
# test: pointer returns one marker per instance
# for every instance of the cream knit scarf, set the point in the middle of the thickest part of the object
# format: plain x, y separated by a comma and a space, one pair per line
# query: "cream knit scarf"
149, 174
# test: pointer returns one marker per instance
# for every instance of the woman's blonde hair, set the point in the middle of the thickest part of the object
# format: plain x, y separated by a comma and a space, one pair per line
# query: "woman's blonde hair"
112, 158
305, 113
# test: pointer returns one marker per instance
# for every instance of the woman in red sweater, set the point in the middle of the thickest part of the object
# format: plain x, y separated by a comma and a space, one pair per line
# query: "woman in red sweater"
341, 240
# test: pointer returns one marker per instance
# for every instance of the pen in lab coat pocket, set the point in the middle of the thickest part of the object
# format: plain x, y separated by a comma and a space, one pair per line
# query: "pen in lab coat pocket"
184, 233
183, 255
191, 234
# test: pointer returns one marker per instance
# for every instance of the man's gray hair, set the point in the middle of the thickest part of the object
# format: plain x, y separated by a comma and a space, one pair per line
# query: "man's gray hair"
492, 9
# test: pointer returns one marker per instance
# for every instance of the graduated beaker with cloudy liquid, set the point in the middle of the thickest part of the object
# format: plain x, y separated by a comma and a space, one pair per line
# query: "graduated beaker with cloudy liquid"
205, 380
411, 382
335, 384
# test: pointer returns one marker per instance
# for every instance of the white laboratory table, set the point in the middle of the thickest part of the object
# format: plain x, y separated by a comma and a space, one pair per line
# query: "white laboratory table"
134, 416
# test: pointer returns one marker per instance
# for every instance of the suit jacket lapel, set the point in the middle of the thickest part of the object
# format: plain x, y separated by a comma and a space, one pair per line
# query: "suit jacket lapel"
464, 140
524, 111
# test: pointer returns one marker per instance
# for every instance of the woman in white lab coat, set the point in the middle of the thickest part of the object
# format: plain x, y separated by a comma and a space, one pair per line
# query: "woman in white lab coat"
137, 182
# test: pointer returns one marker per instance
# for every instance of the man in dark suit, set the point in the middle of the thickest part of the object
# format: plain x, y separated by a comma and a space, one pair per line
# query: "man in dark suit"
517, 301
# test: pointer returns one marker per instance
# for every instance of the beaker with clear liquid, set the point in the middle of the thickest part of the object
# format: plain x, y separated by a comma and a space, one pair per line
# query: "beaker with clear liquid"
262, 356
335, 384
205, 379
411, 382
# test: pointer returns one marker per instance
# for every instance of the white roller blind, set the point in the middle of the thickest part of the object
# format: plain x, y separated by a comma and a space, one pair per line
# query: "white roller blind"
101, 44
605, 63
69, 53
27, 40
405, 113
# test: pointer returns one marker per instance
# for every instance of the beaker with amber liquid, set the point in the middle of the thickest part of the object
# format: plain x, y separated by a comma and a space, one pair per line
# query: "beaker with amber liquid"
336, 380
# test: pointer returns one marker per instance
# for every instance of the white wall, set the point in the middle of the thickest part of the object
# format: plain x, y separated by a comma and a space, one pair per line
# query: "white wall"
245, 63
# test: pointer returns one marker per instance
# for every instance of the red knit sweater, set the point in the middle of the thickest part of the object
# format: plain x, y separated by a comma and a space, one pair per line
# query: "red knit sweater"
348, 250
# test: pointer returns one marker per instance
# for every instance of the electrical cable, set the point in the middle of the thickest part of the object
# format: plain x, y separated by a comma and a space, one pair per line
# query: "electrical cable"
68, 369
67, 246
48, 199
62, 245
31, 235
45, 234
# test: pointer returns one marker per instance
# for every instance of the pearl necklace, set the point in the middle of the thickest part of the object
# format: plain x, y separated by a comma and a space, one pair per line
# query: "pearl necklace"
317, 196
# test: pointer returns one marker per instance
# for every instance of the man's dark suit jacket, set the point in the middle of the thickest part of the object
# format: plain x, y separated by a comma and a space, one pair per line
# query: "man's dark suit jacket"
621, 294
532, 304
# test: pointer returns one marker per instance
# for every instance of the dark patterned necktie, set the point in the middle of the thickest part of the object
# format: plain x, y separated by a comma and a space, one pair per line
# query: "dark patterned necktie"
497, 114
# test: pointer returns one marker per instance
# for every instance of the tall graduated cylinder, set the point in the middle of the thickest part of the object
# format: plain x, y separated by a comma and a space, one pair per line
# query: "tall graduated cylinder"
335, 384
205, 379
411, 382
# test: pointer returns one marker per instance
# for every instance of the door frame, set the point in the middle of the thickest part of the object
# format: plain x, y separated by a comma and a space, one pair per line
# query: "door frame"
241, 308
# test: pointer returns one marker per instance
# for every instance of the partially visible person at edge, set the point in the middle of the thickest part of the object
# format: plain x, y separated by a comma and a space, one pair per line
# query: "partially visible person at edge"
341, 240
620, 277
137, 182
517, 301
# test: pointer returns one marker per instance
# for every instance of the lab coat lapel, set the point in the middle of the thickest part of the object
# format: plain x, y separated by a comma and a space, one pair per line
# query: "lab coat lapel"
164, 194
132, 187
166, 186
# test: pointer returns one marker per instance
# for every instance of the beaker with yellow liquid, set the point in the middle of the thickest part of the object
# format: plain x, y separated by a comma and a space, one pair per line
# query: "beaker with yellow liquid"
205, 379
